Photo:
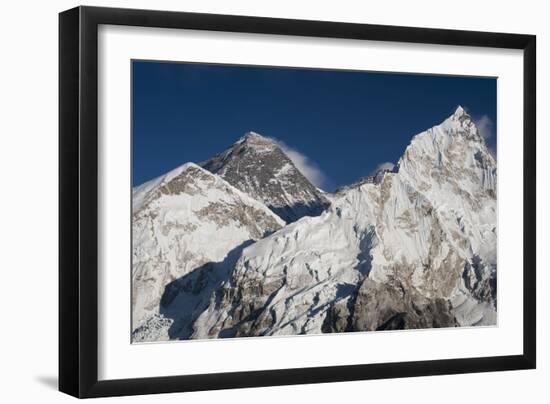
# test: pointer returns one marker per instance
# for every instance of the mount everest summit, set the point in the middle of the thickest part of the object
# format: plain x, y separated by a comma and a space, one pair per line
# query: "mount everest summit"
244, 245
257, 166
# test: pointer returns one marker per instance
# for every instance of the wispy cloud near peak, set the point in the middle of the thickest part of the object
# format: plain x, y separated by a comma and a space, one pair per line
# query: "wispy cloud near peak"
388, 165
307, 167
484, 126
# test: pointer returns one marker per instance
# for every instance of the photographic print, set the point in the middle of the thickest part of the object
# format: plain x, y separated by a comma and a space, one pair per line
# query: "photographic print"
271, 201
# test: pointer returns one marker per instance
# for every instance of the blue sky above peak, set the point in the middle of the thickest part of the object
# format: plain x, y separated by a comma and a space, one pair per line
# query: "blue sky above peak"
336, 125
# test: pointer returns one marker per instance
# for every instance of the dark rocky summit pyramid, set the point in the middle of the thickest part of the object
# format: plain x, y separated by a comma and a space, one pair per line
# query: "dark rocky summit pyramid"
257, 166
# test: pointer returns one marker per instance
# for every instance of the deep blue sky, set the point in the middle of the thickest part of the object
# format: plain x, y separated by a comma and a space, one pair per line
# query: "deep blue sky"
345, 122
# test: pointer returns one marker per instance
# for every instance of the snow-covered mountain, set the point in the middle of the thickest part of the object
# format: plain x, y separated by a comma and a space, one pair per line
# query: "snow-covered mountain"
257, 166
414, 249
188, 228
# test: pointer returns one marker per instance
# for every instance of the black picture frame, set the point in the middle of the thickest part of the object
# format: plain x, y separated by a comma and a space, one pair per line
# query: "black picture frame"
78, 201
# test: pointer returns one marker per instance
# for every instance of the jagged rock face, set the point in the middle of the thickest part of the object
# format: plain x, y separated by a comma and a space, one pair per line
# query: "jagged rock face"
414, 249
257, 166
188, 228
395, 306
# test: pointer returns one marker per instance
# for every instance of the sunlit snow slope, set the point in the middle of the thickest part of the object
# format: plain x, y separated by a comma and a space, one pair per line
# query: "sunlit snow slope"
415, 249
187, 221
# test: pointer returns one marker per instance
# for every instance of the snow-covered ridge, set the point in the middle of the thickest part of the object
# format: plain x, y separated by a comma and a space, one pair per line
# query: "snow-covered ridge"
140, 193
414, 247
376, 178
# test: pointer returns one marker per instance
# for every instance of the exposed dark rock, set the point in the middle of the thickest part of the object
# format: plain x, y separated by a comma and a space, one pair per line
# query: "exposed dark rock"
390, 307
257, 166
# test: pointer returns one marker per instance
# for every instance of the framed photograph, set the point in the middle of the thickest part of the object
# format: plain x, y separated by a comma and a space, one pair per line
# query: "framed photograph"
251, 201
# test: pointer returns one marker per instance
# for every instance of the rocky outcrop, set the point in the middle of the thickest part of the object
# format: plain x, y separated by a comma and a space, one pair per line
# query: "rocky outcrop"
396, 306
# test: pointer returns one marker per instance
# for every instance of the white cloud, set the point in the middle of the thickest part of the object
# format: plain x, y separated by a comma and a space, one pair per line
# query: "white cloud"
388, 165
484, 126
493, 151
307, 167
